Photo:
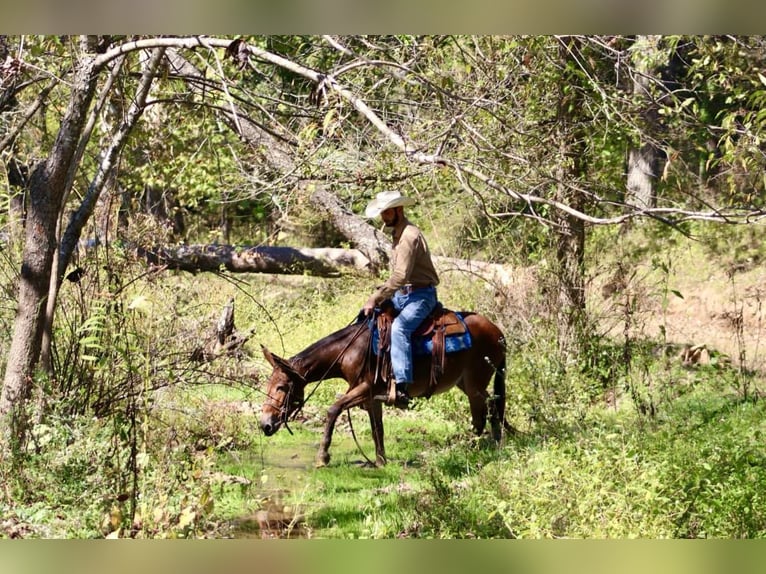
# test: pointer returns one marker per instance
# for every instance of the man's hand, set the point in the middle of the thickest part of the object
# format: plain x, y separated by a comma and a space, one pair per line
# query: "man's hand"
369, 307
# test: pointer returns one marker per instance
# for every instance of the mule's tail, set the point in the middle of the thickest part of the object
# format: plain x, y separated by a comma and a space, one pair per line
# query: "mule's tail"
498, 402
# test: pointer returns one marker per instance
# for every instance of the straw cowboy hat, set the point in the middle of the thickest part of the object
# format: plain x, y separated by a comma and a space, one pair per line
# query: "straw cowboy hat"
386, 200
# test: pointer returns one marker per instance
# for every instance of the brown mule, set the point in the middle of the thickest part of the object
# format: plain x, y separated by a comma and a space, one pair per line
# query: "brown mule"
348, 354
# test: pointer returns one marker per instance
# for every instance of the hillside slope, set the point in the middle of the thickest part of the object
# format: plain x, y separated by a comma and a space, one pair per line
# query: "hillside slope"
697, 298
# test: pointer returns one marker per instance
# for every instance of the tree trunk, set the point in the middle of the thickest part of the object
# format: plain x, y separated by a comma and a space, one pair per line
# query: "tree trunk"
68, 240
644, 161
46, 191
570, 248
642, 172
58, 268
570, 230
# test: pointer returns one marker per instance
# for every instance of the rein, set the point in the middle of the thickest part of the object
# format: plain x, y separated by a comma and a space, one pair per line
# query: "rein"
370, 353
356, 441
362, 326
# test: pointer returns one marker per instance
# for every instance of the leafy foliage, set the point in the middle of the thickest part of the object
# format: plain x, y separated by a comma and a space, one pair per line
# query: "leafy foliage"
129, 435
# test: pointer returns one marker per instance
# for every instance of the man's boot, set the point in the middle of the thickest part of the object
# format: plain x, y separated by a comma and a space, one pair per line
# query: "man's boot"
402, 399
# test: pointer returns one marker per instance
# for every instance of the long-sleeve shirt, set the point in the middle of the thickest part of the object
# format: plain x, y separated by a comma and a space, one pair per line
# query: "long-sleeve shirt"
411, 262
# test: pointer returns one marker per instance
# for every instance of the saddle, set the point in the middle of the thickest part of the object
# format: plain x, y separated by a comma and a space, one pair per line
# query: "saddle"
440, 321
440, 324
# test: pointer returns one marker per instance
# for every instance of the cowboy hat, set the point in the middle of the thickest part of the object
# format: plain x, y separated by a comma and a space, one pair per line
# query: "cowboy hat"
386, 200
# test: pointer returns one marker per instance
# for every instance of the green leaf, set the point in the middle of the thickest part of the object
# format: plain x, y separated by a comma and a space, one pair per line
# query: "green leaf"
686, 103
187, 518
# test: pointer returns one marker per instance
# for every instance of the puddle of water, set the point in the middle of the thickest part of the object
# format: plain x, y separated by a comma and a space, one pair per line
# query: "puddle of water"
282, 472
274, 520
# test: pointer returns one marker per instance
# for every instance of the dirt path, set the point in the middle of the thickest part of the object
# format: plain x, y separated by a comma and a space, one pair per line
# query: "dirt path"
696, 304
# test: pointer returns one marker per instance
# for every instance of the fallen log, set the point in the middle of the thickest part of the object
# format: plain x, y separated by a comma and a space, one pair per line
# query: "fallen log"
323, 262
319, 262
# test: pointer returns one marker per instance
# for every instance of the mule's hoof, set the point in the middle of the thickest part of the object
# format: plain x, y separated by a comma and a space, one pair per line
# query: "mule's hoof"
322, 461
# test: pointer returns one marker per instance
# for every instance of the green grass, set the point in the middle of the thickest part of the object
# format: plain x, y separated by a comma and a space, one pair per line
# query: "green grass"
343, 499
695, 472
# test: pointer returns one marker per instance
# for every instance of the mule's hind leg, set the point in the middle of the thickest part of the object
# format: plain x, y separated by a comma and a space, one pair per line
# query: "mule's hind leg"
497, 404
474, 385
477, 400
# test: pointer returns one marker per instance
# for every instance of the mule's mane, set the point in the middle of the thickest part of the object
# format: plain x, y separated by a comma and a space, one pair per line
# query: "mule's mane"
326, 347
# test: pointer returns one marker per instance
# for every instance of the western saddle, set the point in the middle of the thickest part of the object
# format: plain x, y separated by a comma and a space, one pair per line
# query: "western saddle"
439, 324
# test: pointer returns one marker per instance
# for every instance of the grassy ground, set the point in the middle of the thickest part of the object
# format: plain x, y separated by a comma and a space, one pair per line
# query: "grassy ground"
655, 450
694, 471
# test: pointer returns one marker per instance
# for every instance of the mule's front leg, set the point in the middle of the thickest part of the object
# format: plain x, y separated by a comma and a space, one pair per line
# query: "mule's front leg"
323, 456
353, 398
375, 410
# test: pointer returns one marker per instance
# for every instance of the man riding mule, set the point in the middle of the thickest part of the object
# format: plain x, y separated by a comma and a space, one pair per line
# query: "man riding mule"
348, 354
411, 286
467, 350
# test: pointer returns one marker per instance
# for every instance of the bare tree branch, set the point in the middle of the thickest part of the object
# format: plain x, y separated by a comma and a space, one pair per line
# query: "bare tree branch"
666, 214
108, 160
415, 154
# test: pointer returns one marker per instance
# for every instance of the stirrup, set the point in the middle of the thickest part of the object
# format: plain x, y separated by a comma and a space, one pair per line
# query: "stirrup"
400, 399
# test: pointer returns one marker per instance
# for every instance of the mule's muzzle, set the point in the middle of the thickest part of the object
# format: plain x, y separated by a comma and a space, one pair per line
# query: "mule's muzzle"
268, 425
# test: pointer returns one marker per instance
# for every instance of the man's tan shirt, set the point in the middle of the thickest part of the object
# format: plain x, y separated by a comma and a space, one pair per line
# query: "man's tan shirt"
410, 262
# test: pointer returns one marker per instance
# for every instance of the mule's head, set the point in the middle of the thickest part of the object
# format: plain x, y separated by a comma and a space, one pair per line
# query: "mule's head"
284, 394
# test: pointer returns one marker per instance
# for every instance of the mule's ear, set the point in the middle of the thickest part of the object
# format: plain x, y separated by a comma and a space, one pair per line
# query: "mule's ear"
269, 357
280, 363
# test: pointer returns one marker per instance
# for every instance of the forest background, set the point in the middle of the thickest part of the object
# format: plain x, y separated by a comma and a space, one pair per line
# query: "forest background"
599, 197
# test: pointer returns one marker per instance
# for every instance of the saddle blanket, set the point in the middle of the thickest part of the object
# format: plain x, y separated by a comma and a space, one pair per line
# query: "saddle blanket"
424, 346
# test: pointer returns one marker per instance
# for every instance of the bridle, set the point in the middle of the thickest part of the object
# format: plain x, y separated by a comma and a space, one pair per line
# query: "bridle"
291, 405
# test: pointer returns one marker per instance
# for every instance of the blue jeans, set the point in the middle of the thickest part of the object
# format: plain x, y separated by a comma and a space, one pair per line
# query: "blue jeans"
413, 309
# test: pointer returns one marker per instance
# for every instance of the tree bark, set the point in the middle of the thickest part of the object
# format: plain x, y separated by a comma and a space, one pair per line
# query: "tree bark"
47, 187
644, 160
570, 230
